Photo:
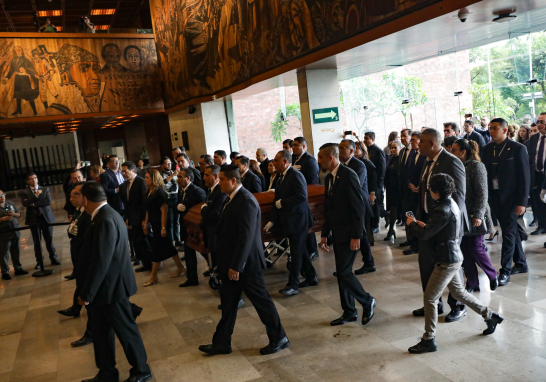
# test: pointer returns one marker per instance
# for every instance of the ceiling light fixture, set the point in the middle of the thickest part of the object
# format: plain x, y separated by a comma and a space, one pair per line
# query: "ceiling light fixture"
102, 27
504, 15
50, 13
100, 12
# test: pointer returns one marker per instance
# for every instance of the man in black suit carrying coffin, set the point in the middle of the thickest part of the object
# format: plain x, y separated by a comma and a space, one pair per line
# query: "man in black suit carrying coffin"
249, 180
241, 263
109, 283
291, 211
342, 217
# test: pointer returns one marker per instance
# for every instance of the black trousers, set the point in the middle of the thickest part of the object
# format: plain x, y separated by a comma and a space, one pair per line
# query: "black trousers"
140, 244
230, 293
539, 208
366, 249
190, 256
379, 195
311, 243
108, 321
42, 229
300, 260
512, 250
78, 307
174, 217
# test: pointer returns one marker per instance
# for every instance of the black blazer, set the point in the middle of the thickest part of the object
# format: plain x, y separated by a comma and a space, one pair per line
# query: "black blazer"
68, 206
81, 261
342, 209
514, 174
134, 206
41, 205
294, 216
372, 174
416, 169
251, 182
193, 195
308, 167
110, 276
476, 137
238, 236
211, 215
403, 170
532, 151
360, 169
109, 182
273, 185
377, 156
265, 172
197, 178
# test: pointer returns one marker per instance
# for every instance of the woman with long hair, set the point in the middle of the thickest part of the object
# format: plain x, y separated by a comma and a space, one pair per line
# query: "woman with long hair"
155, 203
94, 172
273, 180
361, 152
524, 133
393, 188
254, 167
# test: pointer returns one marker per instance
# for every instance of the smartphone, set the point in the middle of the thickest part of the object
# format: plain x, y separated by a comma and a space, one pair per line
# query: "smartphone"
410, 214
348, 132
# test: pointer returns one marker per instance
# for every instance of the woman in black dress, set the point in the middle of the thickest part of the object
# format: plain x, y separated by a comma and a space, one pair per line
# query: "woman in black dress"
393, 188
155, 203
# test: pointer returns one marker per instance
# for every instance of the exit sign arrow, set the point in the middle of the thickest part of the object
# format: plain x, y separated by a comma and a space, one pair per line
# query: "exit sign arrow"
330, 114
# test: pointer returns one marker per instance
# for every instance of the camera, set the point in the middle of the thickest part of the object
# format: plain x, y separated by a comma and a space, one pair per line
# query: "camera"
348, 132
463, 14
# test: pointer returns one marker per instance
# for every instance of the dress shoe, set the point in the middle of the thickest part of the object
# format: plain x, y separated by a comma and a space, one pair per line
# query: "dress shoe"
314, 255
410, 251
206, 273
538, 231
273, 348
492, 323
365, 269
421, 311
143, 269
491, 238
405, 244
504, 278
178, 243
137, 262
239, 306
20, 272
189, 283
308, 283
82, 342
470, 289
137, 311
456, 315
344, 319
289, 291
493, 284
151, 282
390, 235
533, 223
375, 230
425, 346
139, 378
54, 261
211, 349
70, 276
368, 312
70, 312
37, 266
100, 379
515, 270
6, 276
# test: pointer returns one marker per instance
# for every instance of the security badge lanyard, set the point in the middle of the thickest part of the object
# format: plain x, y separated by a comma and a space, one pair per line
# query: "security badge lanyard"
496, 178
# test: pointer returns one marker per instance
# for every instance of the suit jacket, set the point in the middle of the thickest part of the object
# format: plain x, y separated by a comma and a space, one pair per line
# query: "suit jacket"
484, 133
273, 185
77, 244
41, 205
110, 183
251, 182
193, 195
514, 177
532, 150
134, 205
238, 236
68, 206
198, 178
360, 169
416, 168
342, 209
403, 170
294, 216
6, 227
210, 215
308, 166
110, 276
377, 156
476, 137
265, 172
372, 174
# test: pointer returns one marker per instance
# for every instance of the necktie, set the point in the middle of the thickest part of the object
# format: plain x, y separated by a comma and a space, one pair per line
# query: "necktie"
129, 188
540, 160
207, 194
331, 185
281, 177
423, 186
405, 157
228, 199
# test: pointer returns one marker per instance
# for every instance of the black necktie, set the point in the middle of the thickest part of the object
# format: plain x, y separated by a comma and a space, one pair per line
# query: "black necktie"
228, 199
540, 160
281, 177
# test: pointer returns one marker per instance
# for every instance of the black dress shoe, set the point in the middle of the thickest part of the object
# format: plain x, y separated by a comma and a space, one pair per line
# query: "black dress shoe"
6, 276
54, 261
368, 312
178, 243
211, 349
405, 244
425, 346
189, 283
137, 262
20, 272
101, 379
365, 269
273, 348
421, 311
139, 378
538, 231
375, 230
410, 251
70, 276
456, 315
143, 269
82, 342
344, 319
515, 270
206, 273
493, 284
308, 283
504, 278
533, 223
239, 306
492, 323
289, 291
472, 289
70, 312
37, 266
137, 311
314, 255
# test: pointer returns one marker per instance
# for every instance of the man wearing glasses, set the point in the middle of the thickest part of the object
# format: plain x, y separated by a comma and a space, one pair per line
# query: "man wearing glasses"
537, 158
110, 181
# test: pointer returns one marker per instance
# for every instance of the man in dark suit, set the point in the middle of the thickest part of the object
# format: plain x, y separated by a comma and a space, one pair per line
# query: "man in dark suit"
220, 158
403, 173
241, 264
37, 200
439, 161
110, 181
291, 212
508, 176
287, 144
188, 196
75, 177
346, 156
473, 135
133, 193
537, 159
342, 218
377, 156
263, 160
183, 161
109, 283
249, 180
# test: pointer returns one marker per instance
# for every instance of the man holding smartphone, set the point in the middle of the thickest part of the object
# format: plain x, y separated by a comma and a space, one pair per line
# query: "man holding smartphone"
9, 239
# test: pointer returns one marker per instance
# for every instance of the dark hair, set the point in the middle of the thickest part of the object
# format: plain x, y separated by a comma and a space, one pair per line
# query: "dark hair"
208, 159
286, 155
406, 130
301, 140
472, 149
528, 131
234, 154
243, 159
449, 141
362, 148
130, 165
331, 149
214, 169
533, 124
370, 134
75, 170
132, 47
442, 184
221, 153
31, 174
351, 143
453, 126
189, 173
183, 155
94, 192
112, 156
162, 161
289, 141
254, 167
416, 132
80, 183
232, 171
393, 135
501, 121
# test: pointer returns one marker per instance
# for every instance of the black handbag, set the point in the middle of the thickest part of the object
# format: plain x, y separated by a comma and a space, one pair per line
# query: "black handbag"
477, 231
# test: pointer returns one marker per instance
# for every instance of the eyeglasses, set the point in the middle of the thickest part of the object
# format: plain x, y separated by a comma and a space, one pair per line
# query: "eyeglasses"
541, 122
2, 195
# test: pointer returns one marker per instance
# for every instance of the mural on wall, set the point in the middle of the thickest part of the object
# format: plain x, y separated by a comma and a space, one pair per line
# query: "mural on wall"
42, 77
208, 45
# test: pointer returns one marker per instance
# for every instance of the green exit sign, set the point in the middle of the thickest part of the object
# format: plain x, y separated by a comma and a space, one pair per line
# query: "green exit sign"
329, 114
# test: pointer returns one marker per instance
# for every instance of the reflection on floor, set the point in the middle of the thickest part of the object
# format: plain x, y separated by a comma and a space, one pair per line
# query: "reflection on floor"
35, 340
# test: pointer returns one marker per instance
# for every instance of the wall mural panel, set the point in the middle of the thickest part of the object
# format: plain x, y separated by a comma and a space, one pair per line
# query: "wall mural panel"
43, 77
208, 45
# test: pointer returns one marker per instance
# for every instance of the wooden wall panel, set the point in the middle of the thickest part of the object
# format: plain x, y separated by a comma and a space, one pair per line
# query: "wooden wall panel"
135, 139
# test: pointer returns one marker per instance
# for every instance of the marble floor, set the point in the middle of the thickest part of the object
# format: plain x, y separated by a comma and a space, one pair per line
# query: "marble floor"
35, 339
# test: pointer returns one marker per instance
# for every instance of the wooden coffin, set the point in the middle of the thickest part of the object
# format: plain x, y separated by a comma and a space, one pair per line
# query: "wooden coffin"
316, 203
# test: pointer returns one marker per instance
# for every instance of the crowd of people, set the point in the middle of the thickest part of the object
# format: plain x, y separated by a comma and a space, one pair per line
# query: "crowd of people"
448, 192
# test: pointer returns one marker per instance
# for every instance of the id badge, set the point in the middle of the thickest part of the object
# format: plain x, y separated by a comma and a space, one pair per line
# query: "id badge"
297, 167
495, 184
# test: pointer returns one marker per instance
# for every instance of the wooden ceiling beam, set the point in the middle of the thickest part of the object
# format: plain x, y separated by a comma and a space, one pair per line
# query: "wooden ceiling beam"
3, 5
115, 13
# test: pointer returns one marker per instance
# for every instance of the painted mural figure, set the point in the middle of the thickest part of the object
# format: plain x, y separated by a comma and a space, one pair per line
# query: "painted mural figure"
111, 54
43, 74
21, 73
